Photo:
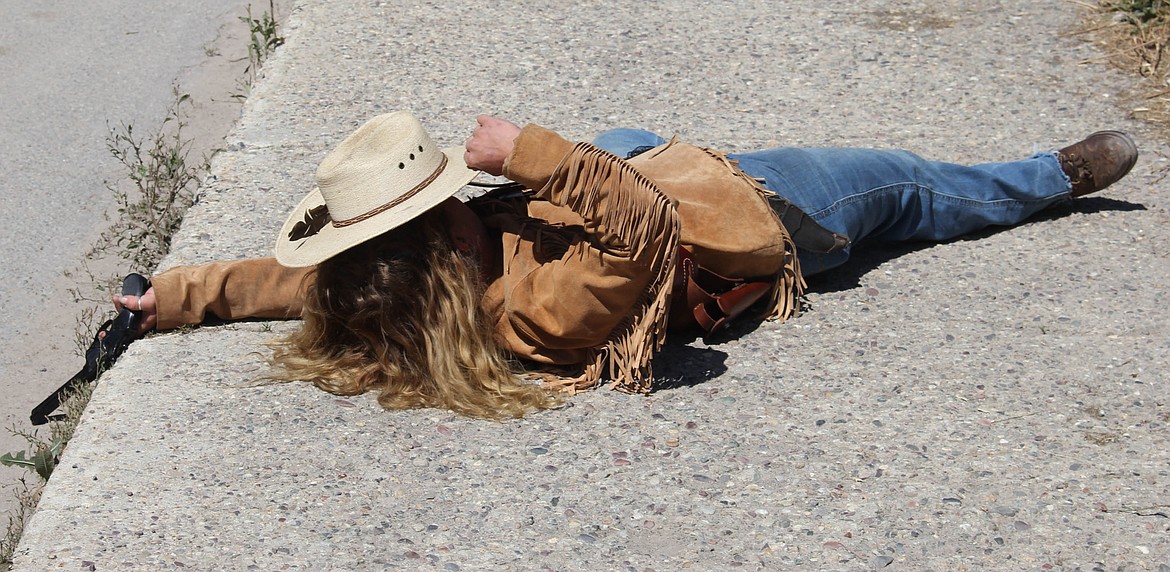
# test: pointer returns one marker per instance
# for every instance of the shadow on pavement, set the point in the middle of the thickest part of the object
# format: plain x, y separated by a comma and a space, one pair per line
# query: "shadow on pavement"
871, 255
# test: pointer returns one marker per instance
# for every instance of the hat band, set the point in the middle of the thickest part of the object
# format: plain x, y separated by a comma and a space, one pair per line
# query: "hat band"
397, 201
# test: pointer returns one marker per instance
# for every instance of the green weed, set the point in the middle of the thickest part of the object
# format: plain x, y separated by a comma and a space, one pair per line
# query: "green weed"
1139, 11
42, 462
163, 184
264, 38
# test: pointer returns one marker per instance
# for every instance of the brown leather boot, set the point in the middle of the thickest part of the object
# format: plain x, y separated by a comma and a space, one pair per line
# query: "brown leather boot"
1097, 161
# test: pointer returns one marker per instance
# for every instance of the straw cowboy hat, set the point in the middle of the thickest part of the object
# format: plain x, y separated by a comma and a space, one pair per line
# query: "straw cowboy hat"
382, 176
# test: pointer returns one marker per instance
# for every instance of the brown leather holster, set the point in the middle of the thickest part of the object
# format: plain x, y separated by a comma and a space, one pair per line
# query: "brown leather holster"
706, 300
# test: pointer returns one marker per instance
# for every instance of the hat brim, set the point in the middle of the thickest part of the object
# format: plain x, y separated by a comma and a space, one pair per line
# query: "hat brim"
331, 240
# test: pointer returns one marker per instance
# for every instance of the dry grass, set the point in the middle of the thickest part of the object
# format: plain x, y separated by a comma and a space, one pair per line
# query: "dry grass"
26, 497
1134, 36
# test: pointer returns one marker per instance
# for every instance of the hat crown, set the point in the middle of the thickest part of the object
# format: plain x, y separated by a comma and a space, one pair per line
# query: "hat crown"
386, 158
384, 175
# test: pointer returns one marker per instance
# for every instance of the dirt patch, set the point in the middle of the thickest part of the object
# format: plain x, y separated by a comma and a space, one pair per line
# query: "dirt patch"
907, 21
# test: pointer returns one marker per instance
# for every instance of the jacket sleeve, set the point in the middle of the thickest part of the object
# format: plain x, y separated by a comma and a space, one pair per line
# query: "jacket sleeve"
255, 288
610, 292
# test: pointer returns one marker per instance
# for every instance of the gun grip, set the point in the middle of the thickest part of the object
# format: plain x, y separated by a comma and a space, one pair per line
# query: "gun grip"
135, 284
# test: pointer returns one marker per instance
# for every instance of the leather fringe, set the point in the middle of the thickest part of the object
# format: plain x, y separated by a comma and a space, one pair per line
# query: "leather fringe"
640, 216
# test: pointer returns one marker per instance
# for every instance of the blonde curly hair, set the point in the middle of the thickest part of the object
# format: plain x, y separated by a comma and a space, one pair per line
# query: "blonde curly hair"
401, 315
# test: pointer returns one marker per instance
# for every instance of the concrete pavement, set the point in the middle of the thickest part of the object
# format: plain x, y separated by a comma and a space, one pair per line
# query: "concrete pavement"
998, 403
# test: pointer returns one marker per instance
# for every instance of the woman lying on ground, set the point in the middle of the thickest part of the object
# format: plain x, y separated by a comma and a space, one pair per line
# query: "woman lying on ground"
586, 260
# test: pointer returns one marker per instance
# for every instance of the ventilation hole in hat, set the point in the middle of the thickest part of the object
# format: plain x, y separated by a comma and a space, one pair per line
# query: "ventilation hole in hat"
402, 165
412, 156
420, 148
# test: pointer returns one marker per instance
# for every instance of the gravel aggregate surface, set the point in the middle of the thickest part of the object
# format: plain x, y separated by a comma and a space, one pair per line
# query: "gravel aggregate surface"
998, 402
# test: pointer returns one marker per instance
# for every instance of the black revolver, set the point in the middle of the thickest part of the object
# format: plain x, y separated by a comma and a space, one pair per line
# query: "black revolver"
112, 339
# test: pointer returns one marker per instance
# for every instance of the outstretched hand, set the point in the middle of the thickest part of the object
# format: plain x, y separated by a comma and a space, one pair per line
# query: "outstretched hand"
490, 144
146, 305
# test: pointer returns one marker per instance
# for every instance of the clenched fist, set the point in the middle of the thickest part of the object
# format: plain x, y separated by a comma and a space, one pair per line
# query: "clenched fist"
490, 144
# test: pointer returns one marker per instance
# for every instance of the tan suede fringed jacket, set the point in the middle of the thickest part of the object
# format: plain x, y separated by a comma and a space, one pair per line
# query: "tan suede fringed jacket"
599, 302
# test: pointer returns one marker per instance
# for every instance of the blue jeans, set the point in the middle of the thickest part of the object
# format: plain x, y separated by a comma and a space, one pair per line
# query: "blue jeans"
868, 194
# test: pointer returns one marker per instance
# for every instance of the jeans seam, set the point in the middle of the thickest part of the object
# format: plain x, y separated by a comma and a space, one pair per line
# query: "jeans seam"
918, 188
